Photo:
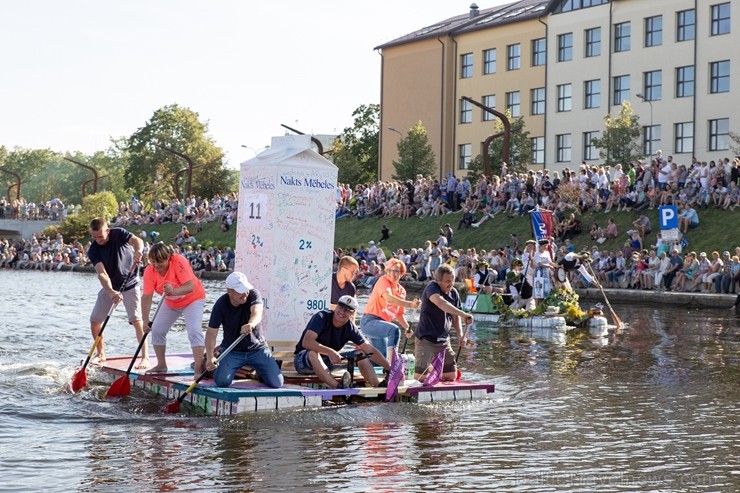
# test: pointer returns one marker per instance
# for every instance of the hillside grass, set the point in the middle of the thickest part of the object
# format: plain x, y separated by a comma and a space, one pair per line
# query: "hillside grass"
718, 230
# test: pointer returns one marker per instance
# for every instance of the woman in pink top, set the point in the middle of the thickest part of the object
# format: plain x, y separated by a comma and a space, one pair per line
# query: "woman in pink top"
170, 274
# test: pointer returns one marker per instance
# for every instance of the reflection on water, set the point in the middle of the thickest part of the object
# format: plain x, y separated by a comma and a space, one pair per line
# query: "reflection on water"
653, 407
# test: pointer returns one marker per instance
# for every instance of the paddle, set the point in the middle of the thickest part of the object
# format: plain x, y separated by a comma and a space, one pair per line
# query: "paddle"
122, 386
617, 320
459, 350
410, 329
79, 379
174, 406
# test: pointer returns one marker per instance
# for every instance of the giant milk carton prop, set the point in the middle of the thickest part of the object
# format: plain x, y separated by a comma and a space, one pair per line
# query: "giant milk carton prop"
285, 232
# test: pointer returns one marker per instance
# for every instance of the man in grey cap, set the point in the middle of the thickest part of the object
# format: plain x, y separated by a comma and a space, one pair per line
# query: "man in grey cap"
239, 311
325, 335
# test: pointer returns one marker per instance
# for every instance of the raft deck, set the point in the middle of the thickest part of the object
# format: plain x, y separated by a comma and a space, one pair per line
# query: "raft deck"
246, 396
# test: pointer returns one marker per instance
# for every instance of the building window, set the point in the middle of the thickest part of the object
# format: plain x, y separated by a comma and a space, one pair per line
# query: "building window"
589, 150
466, 111
593, 42
513, 104
650, 139
538, 150
489, 61
569, 5
720, 72
685, 81
592, 93
721, 19
653, 82
466, 66
622, 37
538, 101
719, 134
654, 31
489, 101
565, 97
565, 47
539, 52
464, 155
621, 89
563, 142
684, 138
513, 57
686, 25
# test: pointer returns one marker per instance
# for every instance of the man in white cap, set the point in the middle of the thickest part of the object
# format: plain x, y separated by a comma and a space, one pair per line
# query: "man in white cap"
239, 311
325, 335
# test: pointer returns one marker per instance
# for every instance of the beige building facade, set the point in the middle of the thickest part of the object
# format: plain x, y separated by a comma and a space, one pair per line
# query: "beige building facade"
564, 65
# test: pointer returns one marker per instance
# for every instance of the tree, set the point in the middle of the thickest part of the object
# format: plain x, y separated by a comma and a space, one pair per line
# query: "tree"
620, 141
520, 150
355, 151
151, 169
101, 204
415, 155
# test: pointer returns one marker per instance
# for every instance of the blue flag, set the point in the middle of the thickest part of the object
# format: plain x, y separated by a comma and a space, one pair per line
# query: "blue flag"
395, 376
435, 374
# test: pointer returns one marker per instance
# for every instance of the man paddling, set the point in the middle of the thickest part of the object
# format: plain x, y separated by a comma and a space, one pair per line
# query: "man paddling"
326, 333
440, 312
114, 252
239, 311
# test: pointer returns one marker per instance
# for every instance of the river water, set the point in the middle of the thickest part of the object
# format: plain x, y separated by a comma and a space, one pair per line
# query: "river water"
653, 408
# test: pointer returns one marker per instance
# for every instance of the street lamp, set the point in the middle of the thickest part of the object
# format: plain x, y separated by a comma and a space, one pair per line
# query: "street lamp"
392, 129
642, 96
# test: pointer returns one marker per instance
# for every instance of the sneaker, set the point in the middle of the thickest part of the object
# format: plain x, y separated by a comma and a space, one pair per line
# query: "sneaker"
345, 382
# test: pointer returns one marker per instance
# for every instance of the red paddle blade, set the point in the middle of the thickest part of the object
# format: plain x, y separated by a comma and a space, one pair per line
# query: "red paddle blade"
458, 376
79, 380
120, 388
173, 407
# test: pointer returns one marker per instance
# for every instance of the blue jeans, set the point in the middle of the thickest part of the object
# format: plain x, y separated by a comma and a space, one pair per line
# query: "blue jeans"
380, 334
259, 359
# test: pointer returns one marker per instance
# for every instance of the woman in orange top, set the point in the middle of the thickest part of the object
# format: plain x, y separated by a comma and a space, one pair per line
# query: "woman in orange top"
170, 274
387, 302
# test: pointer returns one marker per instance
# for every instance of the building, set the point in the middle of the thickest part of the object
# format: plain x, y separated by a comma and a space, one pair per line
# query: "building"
563, 65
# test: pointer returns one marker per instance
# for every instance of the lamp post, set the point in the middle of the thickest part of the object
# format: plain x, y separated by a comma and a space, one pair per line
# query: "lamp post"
392, 129
644, 99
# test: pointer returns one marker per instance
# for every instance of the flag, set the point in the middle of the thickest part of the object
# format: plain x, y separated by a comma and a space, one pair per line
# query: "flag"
542, 224
395, 376
435, 374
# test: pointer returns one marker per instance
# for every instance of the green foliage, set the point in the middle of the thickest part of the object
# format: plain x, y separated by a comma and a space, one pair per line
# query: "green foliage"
415, 155
101, 204
355, 151
520, 148
151, 169
620, 141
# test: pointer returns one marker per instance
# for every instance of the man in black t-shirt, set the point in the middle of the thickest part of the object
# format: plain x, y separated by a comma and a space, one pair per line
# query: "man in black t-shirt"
325, 335
114, 253
440, 311
239, 311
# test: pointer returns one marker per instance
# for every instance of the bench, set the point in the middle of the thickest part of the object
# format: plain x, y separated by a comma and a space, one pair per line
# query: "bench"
283, 351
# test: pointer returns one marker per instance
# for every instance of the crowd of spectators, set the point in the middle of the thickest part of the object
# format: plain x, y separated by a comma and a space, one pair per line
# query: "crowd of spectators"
636, 187
43, 253
21, 209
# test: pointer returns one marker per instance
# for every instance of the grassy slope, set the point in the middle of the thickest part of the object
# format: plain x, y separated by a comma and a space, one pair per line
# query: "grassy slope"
718, 230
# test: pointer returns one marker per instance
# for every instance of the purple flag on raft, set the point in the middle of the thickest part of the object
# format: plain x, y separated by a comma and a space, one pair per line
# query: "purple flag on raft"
435, 374
395, 376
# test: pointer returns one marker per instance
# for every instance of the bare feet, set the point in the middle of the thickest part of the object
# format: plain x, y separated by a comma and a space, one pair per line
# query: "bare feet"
143, 363
158, 369
98, 359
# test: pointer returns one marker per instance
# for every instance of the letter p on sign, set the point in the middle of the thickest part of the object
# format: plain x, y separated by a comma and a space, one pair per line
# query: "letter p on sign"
668, 217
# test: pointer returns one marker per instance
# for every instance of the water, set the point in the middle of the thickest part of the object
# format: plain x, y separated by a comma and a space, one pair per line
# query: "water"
653, 408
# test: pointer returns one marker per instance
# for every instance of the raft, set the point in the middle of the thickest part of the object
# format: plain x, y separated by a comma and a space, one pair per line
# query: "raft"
248, 396
483, 310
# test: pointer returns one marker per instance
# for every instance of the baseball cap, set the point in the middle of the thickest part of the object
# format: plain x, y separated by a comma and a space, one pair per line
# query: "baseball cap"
238, 282
348, 302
